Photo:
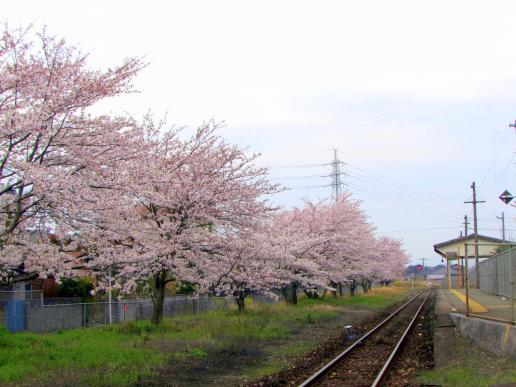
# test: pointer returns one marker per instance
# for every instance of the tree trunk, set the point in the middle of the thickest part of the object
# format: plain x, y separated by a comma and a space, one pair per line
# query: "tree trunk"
284, 292
293, 293
158, 297
240, 300
352, 288
333, 292
364, 285
290, 293
311, 293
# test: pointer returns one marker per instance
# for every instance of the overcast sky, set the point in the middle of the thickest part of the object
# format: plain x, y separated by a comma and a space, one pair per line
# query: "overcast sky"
416, 96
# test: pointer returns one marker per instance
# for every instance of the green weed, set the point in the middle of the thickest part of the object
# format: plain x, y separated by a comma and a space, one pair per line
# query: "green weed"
123, 354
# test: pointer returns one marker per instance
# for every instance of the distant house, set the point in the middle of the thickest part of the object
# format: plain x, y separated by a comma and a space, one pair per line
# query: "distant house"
435, 277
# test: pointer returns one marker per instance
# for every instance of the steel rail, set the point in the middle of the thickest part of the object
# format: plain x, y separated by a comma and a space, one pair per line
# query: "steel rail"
396, 349
324, 370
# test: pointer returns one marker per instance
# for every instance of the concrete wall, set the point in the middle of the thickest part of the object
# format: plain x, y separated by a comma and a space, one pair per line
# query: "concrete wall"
52, 318
496, 337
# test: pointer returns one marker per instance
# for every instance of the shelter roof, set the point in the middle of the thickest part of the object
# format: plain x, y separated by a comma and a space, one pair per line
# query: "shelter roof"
469, 237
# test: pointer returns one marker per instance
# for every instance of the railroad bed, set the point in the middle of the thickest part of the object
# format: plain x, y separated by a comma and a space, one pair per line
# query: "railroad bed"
368, 360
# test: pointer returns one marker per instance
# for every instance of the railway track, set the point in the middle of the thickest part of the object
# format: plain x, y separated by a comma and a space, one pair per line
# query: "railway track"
368, 360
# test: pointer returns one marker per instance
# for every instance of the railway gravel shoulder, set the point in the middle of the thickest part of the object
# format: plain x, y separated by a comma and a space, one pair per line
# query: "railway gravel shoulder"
317, 358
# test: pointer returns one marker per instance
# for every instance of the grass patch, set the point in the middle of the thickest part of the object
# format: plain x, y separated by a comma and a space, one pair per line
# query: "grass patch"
100, 351
377, 298
123, 354
472, 367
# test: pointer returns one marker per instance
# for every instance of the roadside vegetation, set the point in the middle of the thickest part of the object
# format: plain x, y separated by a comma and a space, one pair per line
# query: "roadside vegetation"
124, 354
472, 366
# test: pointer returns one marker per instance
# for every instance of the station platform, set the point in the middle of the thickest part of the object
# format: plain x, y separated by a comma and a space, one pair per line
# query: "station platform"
450, 310
444, 347
481, 303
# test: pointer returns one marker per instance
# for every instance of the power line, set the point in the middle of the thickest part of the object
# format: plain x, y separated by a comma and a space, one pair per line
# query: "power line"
391, 192
418, 229
309, 186
443, 201
407, 204
408, 196
408, 188
296, 166
390, 202
492, 187
298, 177
409, 199
491, 165
302, 177
405, 186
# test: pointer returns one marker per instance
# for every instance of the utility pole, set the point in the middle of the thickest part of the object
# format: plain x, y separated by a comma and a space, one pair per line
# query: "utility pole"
475, 230
502, 218
336, 181
465, 225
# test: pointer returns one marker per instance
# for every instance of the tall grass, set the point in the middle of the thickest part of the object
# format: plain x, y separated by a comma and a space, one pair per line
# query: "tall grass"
120, 354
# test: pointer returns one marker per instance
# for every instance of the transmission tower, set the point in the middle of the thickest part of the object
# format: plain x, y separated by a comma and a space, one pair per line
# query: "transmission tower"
336, 173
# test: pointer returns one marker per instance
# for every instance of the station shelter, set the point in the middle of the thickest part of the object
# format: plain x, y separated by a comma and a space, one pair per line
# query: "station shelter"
487, 289
454, 252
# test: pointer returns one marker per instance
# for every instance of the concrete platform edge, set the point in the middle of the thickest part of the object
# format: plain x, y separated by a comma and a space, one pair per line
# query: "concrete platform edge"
444, 340
497, 337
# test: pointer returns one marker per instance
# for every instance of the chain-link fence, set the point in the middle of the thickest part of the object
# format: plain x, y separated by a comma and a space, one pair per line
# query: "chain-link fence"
30, 311
497, 273
493, 297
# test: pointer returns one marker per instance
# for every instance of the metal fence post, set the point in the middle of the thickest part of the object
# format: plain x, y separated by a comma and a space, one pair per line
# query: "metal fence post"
109, 299
511, 283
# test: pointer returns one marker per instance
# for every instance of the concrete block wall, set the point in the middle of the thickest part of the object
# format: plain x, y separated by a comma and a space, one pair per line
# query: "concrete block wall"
52, 318
493, 336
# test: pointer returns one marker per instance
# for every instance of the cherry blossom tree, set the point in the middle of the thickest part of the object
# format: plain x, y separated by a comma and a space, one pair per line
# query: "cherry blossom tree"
297, 251
151, 204
50, 144
328, 245
245, 263
348, 237
391, 260
160, 223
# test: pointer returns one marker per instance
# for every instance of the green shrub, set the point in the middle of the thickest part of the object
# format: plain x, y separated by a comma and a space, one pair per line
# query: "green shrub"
80, 288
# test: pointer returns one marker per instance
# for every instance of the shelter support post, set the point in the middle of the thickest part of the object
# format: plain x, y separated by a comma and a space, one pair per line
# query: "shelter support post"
448, 271
467, 278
